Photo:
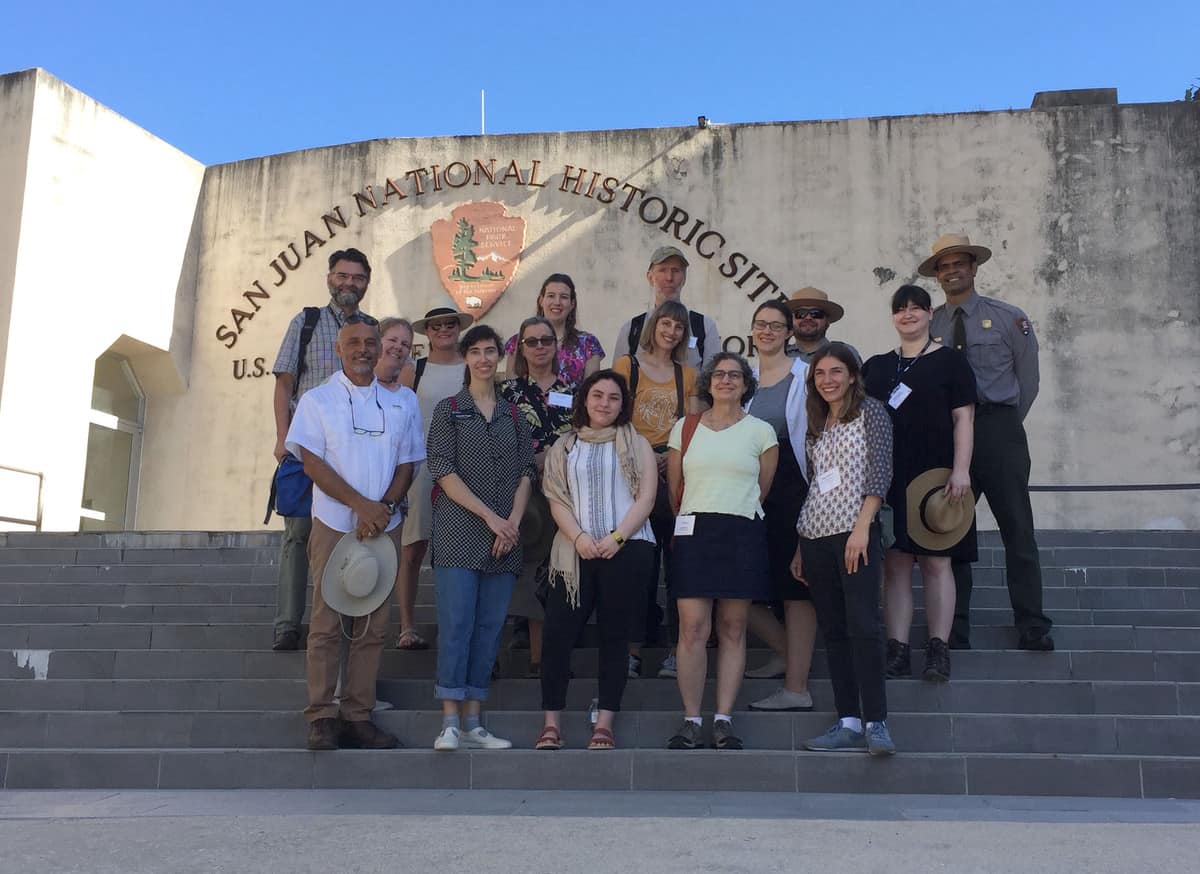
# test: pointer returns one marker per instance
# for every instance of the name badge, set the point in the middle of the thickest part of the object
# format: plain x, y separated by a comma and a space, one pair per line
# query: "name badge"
829, 480
684, 525
693, 342
561, 399
899, 395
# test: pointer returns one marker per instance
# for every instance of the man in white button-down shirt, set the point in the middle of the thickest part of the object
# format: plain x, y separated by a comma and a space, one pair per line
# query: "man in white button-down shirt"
359, 446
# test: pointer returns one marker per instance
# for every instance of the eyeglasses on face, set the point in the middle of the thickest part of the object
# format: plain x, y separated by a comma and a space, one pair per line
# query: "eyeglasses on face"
727, 376
811, 314
351, 277
761, 325
544, 342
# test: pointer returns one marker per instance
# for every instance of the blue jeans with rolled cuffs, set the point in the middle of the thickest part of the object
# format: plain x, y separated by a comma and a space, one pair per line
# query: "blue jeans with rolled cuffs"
471, 609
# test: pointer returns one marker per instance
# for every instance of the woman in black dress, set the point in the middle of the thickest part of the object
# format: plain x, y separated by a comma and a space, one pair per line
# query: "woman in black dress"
929, 390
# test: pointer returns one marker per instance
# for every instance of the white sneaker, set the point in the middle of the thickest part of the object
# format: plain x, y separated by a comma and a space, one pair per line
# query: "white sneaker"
773, 670
482, 739
668, 670
447, 740
783, 701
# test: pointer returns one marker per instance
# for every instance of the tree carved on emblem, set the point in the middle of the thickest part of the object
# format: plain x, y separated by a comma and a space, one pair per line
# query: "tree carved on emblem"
463, 252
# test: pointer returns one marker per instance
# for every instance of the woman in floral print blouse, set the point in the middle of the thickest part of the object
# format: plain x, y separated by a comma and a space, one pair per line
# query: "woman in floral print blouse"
579, 353
840, 554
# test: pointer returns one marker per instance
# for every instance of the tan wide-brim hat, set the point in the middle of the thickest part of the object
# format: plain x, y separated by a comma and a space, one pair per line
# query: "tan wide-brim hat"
359, 575
933, 521
464, 319
813, 298
948, 244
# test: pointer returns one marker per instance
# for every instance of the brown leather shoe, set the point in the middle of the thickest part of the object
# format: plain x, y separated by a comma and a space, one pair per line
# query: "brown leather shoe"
323, 734
365, 735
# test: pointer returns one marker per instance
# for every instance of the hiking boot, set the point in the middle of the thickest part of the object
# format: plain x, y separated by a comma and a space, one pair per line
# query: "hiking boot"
899, 659
723, 736
686, 737
937, 661
323, 734
287, 640
366, 735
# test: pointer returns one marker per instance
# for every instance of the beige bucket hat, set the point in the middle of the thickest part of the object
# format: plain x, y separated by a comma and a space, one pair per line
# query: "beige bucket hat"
359, 575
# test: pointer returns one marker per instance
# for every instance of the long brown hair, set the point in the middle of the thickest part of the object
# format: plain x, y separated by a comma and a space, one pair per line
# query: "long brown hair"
570, 332
816, 406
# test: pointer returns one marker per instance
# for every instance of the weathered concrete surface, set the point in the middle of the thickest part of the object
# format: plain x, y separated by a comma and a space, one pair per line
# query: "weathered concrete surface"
1092, 212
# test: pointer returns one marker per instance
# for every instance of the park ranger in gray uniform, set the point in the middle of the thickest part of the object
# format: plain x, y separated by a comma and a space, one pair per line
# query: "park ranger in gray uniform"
998, 340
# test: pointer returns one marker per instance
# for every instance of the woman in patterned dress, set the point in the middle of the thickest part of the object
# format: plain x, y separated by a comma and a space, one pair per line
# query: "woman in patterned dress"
579, 353
544, 400
840, 554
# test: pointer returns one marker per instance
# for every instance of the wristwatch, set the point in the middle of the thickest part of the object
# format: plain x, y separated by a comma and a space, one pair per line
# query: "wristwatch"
391, 506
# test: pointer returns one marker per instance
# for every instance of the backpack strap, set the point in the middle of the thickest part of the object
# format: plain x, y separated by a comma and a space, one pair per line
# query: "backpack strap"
635, 331
678, 390
690, 423
697, 325
421, 362
633, 374
312, 315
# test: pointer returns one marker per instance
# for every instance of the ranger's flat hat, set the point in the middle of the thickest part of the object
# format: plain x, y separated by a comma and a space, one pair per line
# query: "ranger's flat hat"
813, 298
948, 244
935, 522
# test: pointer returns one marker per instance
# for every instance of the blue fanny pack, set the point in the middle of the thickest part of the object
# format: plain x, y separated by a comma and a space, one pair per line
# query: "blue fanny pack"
291, 490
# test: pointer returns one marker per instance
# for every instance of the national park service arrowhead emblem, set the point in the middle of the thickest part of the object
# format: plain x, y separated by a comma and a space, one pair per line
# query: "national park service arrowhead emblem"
477, 251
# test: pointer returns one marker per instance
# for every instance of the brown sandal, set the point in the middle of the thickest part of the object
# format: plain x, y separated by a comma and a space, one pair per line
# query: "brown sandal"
549, 739
602, 739
409, 639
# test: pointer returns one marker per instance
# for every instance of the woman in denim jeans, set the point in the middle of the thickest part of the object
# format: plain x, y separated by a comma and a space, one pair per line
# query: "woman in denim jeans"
481, 458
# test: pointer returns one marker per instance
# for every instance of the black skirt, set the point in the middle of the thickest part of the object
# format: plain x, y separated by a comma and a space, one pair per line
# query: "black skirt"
782, 506
724, 557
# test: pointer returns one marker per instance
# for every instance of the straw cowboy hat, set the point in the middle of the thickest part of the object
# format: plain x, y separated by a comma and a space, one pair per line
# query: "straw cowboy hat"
948, 244
933, 521
813, 298
464, 319
359, 575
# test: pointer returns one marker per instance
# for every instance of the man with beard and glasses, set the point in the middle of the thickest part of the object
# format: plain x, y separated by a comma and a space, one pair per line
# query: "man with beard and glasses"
307, 357
358, 445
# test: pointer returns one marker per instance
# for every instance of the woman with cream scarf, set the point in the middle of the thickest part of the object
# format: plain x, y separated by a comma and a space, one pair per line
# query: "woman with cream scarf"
600, 480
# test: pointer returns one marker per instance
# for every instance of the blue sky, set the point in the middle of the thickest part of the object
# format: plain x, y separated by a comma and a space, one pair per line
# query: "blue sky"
224, 81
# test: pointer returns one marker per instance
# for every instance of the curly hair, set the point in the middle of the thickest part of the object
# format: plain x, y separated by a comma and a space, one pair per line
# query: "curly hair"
704, 383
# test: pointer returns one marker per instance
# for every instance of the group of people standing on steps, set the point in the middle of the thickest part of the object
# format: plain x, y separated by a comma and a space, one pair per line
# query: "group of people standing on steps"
795, 494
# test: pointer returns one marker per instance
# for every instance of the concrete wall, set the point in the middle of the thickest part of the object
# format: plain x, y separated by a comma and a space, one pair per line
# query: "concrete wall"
104, 218
1091, 212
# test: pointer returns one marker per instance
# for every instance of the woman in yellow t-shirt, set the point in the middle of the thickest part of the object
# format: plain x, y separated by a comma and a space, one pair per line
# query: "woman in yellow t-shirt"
664, 391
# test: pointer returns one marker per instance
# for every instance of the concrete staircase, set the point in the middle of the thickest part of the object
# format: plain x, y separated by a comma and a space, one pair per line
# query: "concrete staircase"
143, 661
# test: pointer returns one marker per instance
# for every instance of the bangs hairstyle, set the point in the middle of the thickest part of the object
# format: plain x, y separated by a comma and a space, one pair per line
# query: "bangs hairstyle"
579, 412
570, 332
477, 334
911, 294
520, 365
669, 309
816, 406
704, 383
779, 307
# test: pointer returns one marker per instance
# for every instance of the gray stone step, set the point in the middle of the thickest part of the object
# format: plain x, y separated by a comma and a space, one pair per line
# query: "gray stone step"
906, 696
427, 614
976, 664
648, 730
749, 770
223, 636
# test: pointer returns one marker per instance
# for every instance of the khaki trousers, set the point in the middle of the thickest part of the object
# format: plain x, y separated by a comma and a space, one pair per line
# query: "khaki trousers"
324, 641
